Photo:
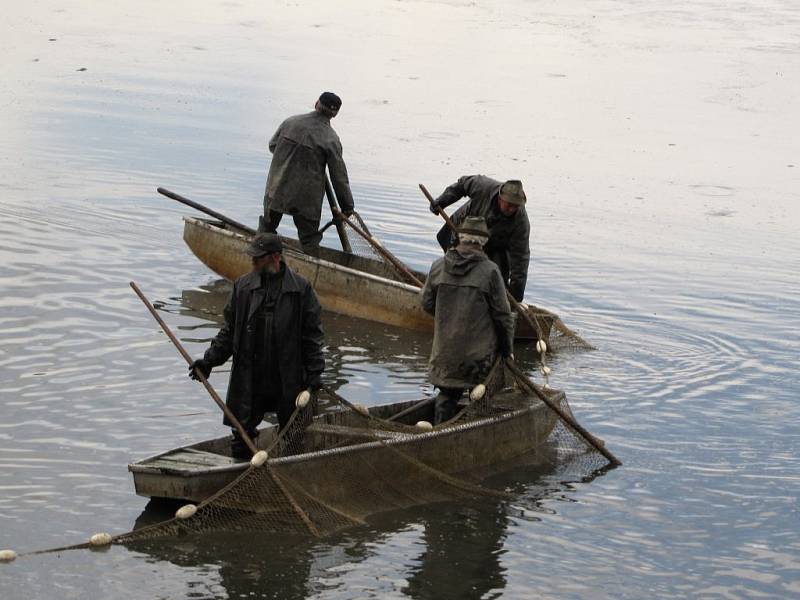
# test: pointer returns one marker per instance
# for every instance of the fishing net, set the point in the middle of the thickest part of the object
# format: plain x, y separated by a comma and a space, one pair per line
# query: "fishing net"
334, 470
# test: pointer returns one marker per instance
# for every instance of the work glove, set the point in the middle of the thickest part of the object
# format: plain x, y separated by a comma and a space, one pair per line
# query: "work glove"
202, 365
435, 207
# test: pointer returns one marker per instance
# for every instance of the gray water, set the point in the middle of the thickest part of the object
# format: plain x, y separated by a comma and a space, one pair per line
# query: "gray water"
658, 145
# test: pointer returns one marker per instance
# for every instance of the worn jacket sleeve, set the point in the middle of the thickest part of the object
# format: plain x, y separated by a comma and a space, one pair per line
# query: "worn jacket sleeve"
519, 254
428, 292
453, 193
222, 345
500, 311
312, 338
339, 179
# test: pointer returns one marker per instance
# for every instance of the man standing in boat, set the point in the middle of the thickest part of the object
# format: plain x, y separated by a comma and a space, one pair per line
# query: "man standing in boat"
473, 323
272, 329
301, 148
502, 205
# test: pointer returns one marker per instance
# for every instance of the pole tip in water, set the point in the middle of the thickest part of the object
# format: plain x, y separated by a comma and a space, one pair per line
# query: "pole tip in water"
100, 539
477, 392
186, 511
7, 555
259, 458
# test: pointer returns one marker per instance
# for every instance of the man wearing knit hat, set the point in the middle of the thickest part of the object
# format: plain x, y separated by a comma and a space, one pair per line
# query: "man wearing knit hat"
503, 207
301, 148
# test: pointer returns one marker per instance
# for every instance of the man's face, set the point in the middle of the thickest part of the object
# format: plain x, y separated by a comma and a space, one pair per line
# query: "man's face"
507, 208
271, 263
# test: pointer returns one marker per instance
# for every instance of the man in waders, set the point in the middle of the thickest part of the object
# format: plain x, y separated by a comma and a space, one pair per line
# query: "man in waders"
502, 205
473, 323
301, 148
272, 330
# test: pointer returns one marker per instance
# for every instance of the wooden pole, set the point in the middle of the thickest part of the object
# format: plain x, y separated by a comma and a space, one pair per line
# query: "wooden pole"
513, 301
200, 376
373, 241
569, 420
335, 209
206, 210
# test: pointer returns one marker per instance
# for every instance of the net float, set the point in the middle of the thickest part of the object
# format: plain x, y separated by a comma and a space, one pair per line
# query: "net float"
478, 392
185, 511
302, 399
100, 539
541, 346
424, 425
7, 555
259, 458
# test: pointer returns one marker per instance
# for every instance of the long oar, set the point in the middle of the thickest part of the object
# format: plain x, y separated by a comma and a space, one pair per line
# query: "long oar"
334, 209
206, 210
375, 243
212, 392
516, 305
568, 419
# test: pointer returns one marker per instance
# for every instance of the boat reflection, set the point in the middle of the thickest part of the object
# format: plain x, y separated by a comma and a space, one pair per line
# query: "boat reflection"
452, 550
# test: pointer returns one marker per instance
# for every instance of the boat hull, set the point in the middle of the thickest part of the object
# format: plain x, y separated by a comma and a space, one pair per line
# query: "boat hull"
345, 283
470, 447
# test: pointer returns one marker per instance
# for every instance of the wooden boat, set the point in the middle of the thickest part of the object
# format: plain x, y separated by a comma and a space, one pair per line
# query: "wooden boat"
345, 283
518, 426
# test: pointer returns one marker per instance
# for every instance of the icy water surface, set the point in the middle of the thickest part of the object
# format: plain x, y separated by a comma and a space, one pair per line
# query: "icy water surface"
658, 146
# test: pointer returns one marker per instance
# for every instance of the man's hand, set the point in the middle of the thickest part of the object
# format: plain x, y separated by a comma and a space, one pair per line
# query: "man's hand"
348, 213
435, 207
202, 365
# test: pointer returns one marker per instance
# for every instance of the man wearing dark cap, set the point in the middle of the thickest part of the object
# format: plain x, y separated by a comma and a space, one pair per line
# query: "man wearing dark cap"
503, 207
301, 148
465, 294
272, 330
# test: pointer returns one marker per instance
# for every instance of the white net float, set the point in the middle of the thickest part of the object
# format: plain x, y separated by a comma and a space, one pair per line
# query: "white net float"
259, 458
7, 555
424, 425
478, 392
100, 539
541, 346
185, 511
302, 399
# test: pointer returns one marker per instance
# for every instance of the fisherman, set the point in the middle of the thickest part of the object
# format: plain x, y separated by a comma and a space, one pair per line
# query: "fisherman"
503, 207
472, 318
302, 146
272, 330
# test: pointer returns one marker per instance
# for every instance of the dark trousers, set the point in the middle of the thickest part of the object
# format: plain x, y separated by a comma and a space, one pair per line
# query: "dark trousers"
307, 229
446, 404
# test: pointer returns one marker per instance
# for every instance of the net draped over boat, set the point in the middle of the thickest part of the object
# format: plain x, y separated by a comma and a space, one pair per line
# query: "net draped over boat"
391, 465
548, 325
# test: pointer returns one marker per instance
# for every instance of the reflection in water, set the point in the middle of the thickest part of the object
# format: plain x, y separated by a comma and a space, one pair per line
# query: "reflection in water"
451, 551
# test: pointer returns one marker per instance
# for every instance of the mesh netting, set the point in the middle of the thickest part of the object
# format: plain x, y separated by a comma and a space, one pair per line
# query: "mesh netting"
330, 471
335, 470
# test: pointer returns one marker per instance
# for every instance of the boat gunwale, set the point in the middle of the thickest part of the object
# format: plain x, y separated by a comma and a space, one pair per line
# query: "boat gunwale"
403, 438
297, 255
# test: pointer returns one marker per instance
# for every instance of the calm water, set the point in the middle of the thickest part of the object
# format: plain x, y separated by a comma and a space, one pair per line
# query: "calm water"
658, 144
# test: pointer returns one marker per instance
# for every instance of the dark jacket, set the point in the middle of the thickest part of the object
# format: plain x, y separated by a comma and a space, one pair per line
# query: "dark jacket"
464, 292
509, 237
301, 148
296, 327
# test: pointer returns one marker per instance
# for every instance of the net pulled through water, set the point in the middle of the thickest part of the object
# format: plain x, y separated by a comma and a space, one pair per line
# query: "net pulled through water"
334, 470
